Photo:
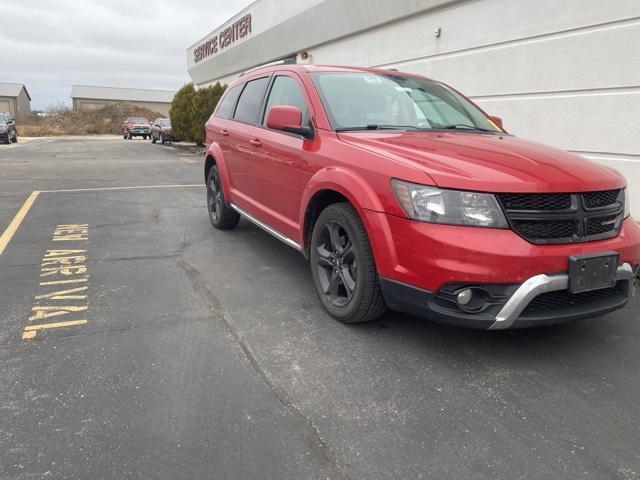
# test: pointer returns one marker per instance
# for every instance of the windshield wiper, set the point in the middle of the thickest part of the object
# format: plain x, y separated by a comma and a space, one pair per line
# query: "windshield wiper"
464, 125
375, 126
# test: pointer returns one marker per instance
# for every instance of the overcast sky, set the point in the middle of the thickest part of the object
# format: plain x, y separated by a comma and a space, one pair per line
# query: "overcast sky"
49, 45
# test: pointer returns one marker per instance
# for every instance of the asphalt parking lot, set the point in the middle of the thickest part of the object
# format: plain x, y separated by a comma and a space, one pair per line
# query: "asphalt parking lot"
190, 353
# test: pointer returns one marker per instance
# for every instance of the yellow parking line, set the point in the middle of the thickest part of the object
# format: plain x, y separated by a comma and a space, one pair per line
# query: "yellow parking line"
44, 326
135, 187
17, 220
7, 235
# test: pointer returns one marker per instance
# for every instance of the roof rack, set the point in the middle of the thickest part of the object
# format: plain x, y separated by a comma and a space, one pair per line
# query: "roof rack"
284, 61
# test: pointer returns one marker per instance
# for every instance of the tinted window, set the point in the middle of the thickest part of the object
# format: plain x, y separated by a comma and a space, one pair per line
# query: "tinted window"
225, 110
285, 91
250, 101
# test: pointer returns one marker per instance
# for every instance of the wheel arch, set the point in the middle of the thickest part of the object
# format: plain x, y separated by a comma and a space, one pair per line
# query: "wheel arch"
330, 186
214, 156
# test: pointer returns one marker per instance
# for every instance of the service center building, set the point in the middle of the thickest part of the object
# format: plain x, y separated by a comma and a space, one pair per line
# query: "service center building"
566, 73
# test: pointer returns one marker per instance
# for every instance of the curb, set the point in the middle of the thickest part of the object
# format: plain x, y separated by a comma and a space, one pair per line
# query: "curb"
187, 147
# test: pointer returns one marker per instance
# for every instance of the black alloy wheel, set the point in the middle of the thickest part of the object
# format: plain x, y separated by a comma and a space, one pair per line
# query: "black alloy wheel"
343, 267
336, 263
221, 214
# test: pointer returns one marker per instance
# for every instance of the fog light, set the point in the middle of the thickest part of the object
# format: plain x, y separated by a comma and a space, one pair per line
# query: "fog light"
465, 297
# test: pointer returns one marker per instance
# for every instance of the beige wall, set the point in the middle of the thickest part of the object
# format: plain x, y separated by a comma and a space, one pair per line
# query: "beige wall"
11, 101
92, 104
19, 107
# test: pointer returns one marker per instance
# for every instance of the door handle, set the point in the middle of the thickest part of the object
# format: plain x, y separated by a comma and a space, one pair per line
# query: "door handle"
224, 132
255, 142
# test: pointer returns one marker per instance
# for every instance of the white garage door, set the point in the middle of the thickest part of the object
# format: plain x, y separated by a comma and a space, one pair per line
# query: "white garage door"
4, 106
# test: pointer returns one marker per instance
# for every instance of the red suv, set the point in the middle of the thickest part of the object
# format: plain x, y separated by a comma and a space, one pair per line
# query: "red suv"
402, 193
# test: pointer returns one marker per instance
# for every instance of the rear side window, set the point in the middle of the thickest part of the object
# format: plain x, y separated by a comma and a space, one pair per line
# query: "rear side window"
285, 91
248, 107
225, 110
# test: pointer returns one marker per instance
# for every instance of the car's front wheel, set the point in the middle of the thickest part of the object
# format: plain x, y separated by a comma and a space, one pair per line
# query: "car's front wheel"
222, 216
343, 267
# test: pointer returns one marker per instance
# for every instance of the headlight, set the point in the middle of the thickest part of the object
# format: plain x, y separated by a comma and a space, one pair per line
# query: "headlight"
3, 128
627, 203
454, 207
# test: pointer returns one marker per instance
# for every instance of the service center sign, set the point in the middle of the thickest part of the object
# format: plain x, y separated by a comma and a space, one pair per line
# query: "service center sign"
219, 41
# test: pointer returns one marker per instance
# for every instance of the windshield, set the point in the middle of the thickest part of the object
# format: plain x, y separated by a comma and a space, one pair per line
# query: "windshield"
364, 100
138, 120
3, 119
164, 122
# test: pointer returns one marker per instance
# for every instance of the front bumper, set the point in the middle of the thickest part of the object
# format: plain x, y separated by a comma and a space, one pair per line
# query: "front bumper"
539, 301
138, 133
421, 265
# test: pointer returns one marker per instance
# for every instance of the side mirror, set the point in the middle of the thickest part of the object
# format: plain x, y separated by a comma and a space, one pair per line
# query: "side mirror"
288, 119
496, 120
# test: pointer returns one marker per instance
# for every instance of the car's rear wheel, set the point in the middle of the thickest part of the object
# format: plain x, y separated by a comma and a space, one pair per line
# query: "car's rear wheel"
222, 216
343, 267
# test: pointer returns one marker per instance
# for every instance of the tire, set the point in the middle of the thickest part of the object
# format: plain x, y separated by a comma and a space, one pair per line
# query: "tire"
124, 135
343, 268
222, 216
8, 140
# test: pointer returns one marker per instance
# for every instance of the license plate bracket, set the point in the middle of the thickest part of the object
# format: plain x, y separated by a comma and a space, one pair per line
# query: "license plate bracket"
593, 271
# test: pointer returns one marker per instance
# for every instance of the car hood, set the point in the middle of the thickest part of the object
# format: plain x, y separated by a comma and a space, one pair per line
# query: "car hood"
487, 162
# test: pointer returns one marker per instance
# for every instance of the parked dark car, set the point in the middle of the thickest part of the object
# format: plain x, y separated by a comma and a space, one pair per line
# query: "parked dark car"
8, 131
161, 131
136, 127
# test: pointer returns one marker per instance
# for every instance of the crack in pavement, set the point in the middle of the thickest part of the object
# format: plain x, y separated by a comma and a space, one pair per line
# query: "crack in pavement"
202, 288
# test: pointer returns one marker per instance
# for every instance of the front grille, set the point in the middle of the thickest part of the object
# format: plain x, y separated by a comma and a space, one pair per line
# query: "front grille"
545, 229
598, 225
563, 300
564, 217
600, 199
525, 201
